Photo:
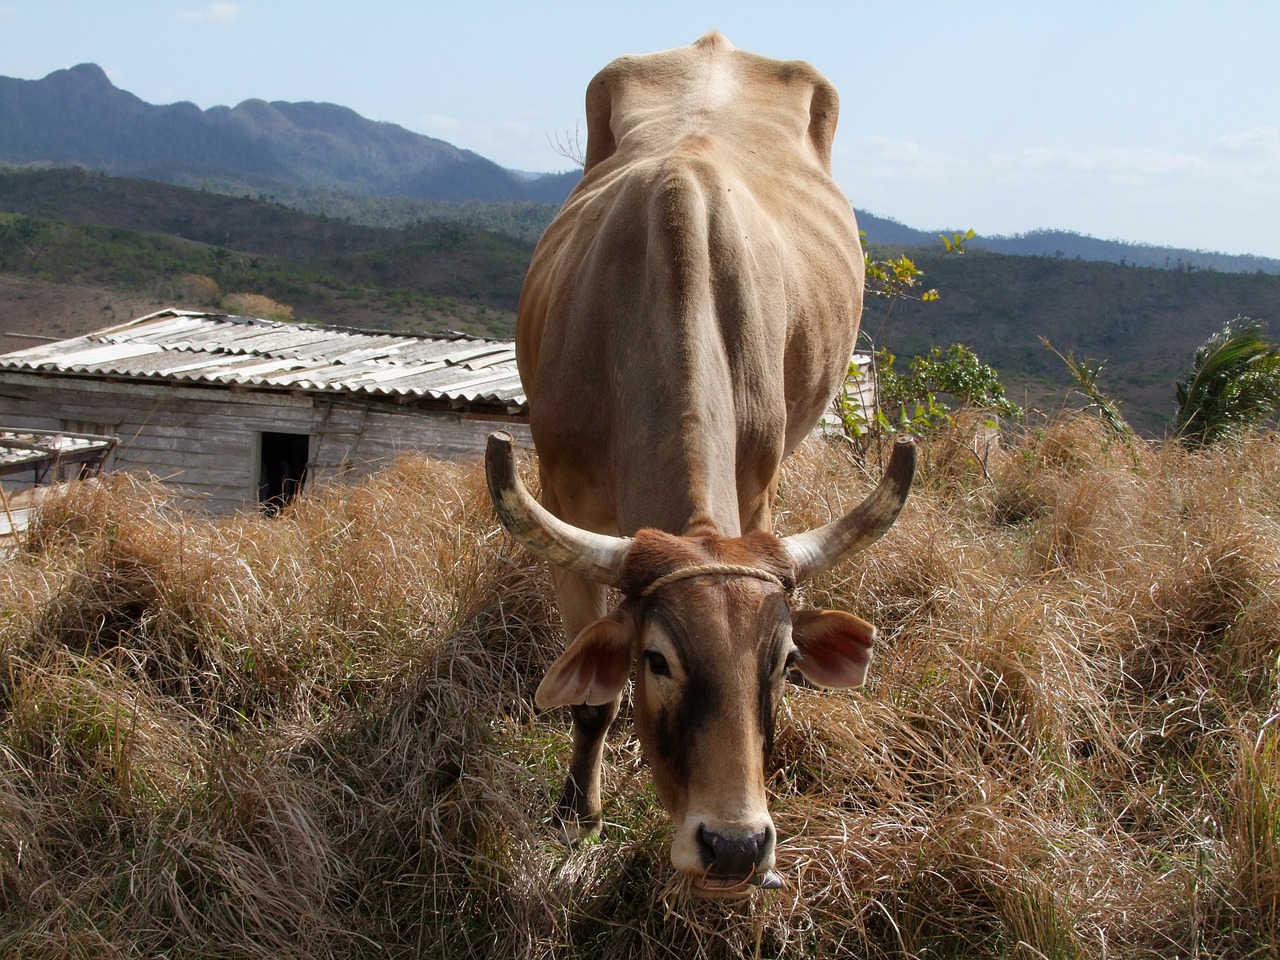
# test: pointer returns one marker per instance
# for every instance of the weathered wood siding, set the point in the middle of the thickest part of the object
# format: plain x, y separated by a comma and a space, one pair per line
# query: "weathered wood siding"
206, 439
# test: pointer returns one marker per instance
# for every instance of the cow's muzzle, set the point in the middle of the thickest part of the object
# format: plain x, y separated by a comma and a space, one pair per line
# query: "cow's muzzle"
736, 858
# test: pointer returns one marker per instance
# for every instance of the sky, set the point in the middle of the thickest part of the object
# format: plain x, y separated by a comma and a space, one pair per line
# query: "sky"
1150, 121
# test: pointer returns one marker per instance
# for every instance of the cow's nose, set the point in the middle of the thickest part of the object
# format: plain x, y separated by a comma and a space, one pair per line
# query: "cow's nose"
734, 855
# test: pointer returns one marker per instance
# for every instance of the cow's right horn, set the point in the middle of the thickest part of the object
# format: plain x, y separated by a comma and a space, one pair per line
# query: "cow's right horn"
596, 556
814, 551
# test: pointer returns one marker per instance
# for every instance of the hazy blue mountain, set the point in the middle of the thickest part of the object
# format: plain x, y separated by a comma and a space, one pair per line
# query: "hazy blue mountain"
886, 232
78, 116
1060, 243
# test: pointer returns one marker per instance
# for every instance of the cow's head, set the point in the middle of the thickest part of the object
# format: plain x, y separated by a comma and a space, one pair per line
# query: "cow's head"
707, 627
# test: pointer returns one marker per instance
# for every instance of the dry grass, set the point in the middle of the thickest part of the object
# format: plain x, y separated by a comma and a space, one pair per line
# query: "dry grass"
313, 736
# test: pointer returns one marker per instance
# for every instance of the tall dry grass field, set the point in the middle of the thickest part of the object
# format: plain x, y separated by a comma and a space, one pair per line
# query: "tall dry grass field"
312, 737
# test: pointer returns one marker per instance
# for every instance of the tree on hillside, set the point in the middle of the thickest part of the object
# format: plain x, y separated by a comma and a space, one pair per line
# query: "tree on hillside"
29, 234
1233, 388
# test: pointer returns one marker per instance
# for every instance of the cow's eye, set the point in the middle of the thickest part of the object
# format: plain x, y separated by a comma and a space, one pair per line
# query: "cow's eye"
790, 662
657, 663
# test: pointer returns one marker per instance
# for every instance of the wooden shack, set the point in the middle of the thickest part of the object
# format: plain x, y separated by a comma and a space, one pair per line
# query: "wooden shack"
242, 412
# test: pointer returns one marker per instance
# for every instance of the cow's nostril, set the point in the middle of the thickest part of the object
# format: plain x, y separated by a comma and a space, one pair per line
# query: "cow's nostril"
706, 847
736, 856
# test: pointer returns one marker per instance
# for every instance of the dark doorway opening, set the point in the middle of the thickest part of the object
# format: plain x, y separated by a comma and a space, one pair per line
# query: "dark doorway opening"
282, 469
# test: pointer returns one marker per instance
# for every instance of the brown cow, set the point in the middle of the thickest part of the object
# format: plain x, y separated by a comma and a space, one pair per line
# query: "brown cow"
686, 319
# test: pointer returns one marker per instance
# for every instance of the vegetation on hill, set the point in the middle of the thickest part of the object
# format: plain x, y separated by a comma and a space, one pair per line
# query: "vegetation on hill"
303, 738
418, 287
264, 222
520, 219
70, 225
1144, 323
1061, 243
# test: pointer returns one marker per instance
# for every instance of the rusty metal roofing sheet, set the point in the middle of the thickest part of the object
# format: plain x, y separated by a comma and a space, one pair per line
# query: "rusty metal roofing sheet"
188, 347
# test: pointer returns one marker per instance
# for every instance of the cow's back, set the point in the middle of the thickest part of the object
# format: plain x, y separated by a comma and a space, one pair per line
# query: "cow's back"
690, 312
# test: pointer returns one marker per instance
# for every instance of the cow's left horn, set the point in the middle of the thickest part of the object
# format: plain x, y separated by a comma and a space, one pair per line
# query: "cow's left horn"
814, 551
595, 556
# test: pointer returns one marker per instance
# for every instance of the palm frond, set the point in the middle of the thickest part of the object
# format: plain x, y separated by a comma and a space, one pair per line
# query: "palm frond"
1234, 385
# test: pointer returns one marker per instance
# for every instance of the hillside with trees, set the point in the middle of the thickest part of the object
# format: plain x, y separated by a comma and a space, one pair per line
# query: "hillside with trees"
1142, 323
189, 247
75, 226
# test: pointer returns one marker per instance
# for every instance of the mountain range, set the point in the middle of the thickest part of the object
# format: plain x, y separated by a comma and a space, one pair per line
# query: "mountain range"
316, 156
1065, 244
78, 116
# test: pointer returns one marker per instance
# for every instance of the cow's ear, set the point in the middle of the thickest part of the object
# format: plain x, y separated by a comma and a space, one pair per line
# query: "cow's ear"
824, 112
595, 667
833, 648
600, 140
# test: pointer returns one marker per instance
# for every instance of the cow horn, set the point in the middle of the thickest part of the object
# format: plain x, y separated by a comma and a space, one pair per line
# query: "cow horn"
595, 556
814, 551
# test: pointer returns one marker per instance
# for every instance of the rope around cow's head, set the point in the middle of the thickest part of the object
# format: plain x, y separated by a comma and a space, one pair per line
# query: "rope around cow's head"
714, 569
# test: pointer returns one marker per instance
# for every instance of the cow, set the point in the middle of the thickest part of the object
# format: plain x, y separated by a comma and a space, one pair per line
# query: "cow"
685, 321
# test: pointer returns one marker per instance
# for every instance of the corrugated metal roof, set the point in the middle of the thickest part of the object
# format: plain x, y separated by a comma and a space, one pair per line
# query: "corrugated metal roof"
181, 346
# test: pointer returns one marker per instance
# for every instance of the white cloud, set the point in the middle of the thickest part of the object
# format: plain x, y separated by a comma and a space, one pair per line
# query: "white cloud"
1261, 145
217, 13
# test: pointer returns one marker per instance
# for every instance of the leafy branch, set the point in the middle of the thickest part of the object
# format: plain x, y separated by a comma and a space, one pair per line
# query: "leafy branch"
922, 399
899, 278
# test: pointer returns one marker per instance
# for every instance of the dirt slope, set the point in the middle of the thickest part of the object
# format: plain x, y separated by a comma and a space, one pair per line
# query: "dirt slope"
32, 311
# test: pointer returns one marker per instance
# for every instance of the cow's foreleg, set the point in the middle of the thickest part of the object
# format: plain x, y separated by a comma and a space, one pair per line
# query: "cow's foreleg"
578, 813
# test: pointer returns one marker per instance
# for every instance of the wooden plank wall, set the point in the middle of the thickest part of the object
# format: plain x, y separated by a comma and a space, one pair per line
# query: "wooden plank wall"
205, 440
